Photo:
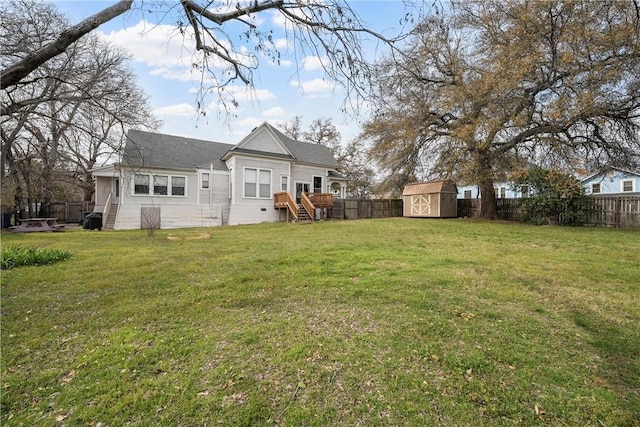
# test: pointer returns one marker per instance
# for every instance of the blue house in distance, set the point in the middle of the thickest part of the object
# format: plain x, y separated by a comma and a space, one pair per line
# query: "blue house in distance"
609, 181
612, 181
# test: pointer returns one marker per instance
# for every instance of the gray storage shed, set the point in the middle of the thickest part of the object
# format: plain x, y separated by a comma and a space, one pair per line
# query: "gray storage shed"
434, 199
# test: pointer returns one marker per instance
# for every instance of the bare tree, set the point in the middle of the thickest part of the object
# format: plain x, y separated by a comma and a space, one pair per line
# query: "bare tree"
73, 111
492, 86
327, 29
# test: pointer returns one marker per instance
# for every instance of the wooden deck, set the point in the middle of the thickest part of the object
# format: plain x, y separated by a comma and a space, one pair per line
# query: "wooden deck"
305, 211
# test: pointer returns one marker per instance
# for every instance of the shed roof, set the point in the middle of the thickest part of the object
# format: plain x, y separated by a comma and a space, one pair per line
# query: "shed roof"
430, 187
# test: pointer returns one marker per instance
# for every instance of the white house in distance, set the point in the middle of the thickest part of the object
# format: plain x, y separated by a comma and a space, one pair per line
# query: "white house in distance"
609, 181
169, 181
503, 190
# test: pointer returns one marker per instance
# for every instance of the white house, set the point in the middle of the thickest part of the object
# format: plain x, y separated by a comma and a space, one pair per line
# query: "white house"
169, 181
503, 190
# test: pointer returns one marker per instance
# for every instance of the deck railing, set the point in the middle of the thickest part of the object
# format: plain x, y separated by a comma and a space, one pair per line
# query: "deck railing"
321, 200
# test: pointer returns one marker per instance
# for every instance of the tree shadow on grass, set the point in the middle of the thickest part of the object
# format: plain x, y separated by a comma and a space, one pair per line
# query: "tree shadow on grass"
619, 349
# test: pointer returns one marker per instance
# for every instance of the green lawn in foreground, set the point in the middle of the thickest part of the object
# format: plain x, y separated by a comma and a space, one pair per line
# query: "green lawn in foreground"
370, 322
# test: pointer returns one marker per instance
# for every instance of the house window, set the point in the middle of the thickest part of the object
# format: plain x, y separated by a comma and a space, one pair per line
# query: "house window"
163, 185
467, 194
160, 185
265, 183
317, 184
501, 192
524, 191
627, 185
205, 180
284, 183
141, 184
595, 188
177, 185
257, 183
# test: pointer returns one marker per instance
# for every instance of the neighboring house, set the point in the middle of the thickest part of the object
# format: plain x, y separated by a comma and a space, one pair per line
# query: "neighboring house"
173, 182
609, 181
503, 190
612, 181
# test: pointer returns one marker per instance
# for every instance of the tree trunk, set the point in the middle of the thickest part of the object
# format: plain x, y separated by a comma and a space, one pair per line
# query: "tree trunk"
488, 205
88, 187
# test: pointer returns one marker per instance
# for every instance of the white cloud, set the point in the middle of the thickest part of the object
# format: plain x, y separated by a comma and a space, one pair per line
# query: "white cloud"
243, 93
311, 63
316, 88
274, 112
155, 45
178, 110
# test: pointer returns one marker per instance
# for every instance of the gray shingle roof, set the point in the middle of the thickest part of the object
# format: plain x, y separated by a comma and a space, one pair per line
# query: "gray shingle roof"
306, 152
155, 150
150, 149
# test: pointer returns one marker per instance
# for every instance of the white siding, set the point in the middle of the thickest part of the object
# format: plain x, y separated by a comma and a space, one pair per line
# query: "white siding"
263, 141
247, 210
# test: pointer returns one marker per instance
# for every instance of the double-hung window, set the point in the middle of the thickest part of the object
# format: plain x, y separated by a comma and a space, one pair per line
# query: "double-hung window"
141, 184
595, 188
160, 185
627, 185
177, 185
257, 183
204, 180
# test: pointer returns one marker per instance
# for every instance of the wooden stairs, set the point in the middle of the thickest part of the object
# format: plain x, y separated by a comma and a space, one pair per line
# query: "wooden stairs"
303, 212
110, 221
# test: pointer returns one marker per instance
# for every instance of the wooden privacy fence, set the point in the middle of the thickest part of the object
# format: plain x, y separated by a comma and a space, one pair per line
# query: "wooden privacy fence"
70, 212
615, 211
607, 211
365, 208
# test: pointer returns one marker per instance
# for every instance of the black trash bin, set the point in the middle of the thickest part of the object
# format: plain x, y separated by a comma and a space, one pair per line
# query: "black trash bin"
6, 220
93, 221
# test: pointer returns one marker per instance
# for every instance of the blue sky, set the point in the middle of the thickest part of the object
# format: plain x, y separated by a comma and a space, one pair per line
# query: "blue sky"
280, 93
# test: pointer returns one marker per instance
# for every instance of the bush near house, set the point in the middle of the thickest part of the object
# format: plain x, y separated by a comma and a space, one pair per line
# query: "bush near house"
554, 197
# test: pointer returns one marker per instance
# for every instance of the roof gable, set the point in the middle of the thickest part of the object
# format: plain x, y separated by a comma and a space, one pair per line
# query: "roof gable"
148, 149
262, 140
303, 152
605, 172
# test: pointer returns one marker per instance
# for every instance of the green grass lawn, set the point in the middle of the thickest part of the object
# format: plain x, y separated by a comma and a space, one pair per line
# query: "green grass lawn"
358, 323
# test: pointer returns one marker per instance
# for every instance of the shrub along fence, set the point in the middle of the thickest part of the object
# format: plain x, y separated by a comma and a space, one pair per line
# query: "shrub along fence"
607, 211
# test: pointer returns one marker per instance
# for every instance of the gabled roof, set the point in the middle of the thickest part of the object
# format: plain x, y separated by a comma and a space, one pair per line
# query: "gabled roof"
607, 170
431, 187
148, 149
303, 152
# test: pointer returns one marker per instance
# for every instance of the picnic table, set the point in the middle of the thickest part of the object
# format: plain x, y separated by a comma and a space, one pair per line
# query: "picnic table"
30, 225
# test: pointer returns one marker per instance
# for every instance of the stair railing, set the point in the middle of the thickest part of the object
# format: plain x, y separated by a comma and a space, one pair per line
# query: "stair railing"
107, 207
308, 205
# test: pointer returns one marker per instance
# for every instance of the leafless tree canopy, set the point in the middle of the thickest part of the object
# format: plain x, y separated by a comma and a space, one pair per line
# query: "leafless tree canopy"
489, 87
327, 29
70, 114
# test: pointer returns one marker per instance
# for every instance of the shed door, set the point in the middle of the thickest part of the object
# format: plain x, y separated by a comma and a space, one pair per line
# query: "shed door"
421, 204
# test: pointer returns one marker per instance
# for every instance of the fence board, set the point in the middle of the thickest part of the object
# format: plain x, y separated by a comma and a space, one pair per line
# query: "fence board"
365, 208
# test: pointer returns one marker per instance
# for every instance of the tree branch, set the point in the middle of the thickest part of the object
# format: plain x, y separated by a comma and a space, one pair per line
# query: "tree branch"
13, 74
